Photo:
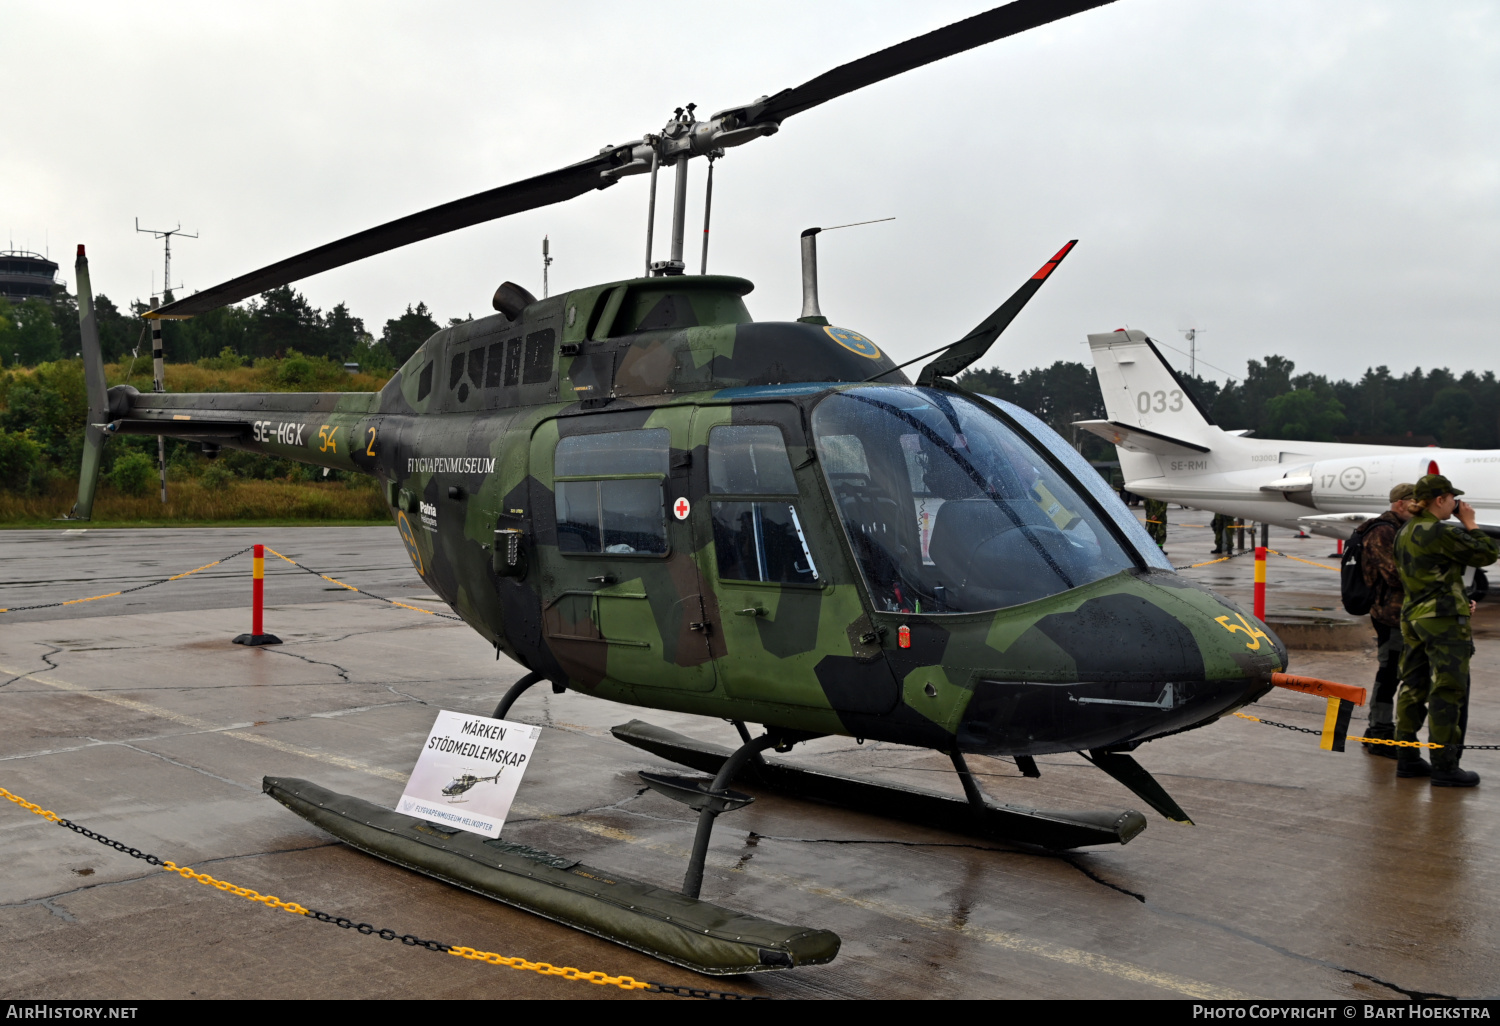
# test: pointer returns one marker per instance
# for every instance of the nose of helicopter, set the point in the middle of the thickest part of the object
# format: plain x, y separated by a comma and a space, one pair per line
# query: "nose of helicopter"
1150, 656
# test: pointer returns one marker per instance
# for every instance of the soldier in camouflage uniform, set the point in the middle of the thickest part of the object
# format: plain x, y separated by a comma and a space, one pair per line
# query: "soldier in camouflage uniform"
1431, 557
1220, 525
1378, 563
1156, 522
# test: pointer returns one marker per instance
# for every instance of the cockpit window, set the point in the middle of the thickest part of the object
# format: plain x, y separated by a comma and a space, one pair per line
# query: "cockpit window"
948, 509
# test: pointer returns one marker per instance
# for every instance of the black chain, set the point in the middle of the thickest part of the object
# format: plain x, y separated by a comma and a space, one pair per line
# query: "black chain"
1288, 726
127, 591
411, 940
134, 853
367, 594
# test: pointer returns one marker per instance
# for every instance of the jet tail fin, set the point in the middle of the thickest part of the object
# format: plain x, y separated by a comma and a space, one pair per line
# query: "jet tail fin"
94, 384
1143, 393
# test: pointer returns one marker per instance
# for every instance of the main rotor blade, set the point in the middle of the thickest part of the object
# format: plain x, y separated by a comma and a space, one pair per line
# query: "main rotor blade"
934, 46
977, 342
553, 187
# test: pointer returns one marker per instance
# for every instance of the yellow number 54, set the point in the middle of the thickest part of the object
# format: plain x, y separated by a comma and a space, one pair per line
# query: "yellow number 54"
325, 434
1244, 627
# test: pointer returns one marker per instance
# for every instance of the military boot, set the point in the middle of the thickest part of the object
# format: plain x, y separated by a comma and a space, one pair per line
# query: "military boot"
1382, 732
1411, 764
1453, 777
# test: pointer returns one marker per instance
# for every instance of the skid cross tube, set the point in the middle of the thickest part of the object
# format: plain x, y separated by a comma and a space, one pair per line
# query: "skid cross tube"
692, 883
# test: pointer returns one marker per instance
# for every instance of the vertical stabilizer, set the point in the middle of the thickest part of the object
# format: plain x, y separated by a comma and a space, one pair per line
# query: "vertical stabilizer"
1141, 389
93, 379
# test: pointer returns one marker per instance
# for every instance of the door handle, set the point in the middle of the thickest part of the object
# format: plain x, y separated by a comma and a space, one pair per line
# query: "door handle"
603, 579
702, 625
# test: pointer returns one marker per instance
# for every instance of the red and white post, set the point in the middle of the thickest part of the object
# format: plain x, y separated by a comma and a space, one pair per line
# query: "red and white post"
1260, 583
258, 635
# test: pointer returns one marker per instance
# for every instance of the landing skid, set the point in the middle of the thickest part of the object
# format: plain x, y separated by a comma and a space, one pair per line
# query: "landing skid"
992, 822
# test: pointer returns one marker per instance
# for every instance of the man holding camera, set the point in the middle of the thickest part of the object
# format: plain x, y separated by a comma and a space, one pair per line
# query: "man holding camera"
1431, 557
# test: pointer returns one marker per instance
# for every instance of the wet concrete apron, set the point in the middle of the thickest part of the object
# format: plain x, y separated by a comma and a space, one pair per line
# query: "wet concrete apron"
1309, 874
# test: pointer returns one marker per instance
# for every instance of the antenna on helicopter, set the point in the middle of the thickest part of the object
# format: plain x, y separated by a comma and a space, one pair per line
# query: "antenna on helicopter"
810, 312
158, 358
546, 263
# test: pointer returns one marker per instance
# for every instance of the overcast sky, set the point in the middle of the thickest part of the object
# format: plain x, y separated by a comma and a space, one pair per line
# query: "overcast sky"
1319, 180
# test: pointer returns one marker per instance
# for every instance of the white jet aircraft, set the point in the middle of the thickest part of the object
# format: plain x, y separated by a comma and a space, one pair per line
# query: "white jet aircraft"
1170, 449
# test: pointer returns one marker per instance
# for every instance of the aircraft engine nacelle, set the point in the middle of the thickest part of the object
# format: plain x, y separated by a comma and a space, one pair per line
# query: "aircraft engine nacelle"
1354, 484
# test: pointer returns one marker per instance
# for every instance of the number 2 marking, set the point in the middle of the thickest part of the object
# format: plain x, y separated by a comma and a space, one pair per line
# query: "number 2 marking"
370, 449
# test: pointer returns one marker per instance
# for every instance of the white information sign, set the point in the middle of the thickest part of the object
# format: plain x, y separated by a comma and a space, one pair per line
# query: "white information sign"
468, 772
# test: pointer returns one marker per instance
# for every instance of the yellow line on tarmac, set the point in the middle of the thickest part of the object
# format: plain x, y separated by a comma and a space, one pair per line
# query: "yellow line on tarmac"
1006, 941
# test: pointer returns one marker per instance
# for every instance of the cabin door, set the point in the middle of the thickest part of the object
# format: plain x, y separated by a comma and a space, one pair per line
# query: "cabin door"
622, 596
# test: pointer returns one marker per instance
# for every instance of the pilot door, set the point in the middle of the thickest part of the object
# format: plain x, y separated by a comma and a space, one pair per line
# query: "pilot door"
774, 561
622, 596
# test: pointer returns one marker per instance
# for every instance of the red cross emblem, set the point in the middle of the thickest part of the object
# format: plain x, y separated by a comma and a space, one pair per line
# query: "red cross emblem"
681, 508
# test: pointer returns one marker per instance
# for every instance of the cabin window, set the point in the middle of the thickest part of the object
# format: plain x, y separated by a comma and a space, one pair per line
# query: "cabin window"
424, 382
496, 360
476, 365
756, 540
455, 371
949, 509
609, 493
761, 541
539, 346
749, 459
513, 349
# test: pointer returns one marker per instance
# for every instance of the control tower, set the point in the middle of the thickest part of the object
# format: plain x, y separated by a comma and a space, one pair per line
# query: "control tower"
26, 275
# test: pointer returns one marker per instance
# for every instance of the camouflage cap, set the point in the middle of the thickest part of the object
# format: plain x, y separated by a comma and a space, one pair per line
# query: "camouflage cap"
1403, 491
1433, 485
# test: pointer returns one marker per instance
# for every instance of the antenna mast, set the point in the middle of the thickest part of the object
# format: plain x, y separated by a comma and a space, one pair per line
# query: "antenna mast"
546, 263
158, 358
1191, 334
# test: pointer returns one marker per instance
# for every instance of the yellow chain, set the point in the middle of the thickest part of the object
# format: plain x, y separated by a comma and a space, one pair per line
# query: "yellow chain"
547, 969
1283, 555
243, 892
271, 901
23, 803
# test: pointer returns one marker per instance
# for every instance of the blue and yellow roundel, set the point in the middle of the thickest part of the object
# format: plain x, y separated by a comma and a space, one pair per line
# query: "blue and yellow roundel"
854, 342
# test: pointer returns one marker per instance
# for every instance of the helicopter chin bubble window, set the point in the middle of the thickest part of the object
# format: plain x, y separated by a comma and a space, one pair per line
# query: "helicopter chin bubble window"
758, 537
608, 489
950, 510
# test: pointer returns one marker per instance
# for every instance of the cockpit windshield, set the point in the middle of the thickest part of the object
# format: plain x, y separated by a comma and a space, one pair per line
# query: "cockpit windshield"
949, 509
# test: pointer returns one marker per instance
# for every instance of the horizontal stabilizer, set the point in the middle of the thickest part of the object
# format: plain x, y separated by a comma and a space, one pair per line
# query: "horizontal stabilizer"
1136, 439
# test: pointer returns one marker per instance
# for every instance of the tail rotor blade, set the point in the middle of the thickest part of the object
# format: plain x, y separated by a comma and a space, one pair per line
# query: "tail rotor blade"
94, 384
977, 342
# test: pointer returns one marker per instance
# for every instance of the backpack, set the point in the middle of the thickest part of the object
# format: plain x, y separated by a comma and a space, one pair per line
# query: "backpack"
1358, 597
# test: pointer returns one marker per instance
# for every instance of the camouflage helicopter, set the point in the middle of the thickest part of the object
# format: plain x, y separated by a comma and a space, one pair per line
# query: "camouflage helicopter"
461, 785
639, 493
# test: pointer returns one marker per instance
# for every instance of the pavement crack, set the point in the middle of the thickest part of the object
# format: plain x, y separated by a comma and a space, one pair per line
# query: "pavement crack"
1100, 880
1415, 995
174, 762
316, 662
46, 658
